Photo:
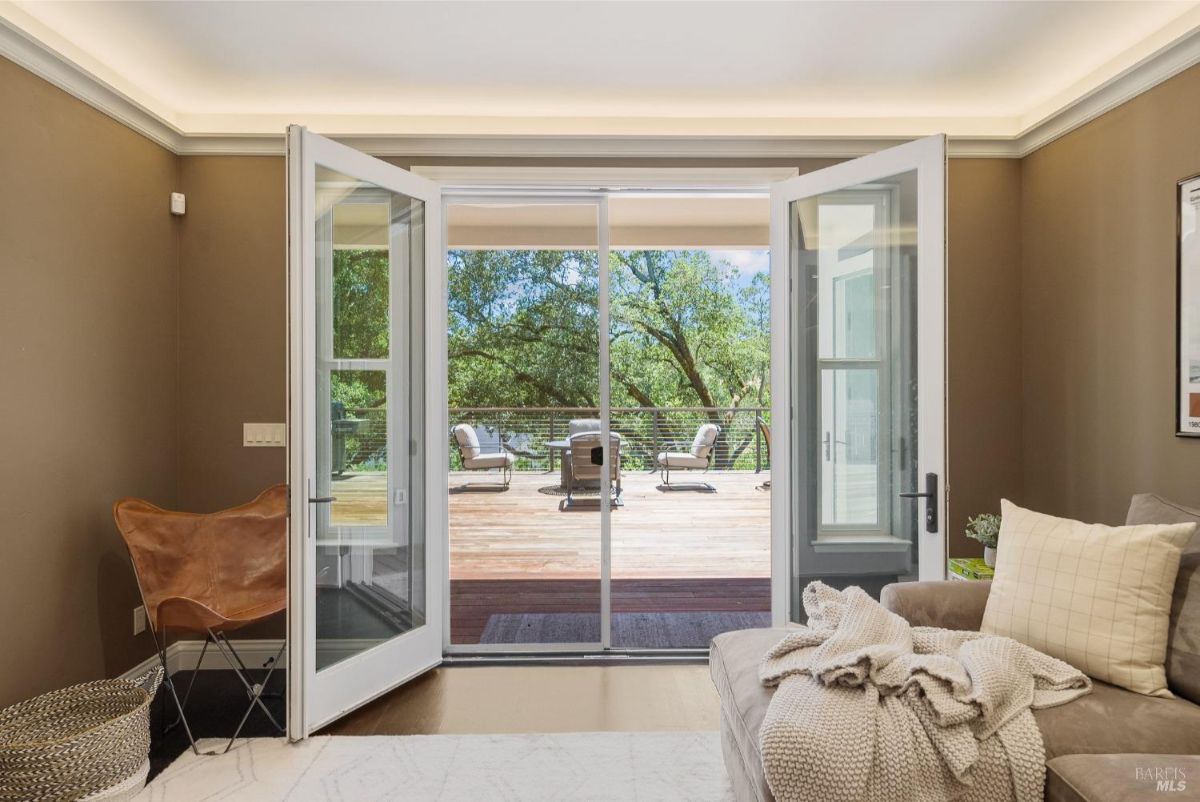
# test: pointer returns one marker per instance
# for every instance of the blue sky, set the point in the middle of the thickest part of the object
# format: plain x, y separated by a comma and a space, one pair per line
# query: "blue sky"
748, 262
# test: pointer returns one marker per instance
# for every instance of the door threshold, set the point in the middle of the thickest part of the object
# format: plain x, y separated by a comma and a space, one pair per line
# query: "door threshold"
614, 657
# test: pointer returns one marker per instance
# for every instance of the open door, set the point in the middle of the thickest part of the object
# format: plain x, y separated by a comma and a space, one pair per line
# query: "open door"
366, 429
858, 384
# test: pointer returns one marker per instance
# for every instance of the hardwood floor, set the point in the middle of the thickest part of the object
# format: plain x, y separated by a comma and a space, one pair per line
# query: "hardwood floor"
517, 699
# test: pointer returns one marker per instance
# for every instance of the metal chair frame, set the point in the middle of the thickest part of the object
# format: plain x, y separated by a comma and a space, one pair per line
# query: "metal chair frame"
506, 472
255, 691
664, 472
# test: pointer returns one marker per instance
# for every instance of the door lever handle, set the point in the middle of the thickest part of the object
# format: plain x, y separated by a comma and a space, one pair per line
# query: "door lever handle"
931, 501
323, 500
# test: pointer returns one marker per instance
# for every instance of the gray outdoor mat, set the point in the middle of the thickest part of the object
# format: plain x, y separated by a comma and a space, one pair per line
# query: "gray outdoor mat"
690, 630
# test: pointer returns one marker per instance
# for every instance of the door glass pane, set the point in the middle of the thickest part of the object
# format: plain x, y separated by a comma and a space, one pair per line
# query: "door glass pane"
850, 475
524, 355
689, 343
370, 575
852, 316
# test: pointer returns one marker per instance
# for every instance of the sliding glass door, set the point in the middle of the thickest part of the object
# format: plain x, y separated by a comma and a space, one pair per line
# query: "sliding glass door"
524, 279
859, 358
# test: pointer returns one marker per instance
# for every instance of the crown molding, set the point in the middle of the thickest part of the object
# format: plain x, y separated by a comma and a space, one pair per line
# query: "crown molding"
1177, 55
26, 49
598, 147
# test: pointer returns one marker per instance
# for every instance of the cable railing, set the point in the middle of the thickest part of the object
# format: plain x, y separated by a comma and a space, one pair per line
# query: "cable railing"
525, 431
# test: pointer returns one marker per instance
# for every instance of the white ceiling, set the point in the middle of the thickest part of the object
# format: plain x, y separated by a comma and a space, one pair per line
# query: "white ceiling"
606, 68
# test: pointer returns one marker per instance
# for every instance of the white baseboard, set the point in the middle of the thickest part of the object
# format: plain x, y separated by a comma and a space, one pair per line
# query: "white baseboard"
182, 655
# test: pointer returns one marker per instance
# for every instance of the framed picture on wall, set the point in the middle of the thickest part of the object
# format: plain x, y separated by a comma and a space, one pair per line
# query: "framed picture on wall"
1188, 313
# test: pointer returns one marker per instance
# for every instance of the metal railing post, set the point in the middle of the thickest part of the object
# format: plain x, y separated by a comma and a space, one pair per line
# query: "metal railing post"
654, 442
757, 444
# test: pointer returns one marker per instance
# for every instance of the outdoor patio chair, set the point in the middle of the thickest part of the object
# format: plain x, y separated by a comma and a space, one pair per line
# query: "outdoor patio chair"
473, 458
698, 458
587, 464
210, 574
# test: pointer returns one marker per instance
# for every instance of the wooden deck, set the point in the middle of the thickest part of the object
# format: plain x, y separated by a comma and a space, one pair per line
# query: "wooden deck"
523, 533
521, 551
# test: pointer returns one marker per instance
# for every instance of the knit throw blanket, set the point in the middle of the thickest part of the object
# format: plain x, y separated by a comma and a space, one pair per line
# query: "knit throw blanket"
870, 708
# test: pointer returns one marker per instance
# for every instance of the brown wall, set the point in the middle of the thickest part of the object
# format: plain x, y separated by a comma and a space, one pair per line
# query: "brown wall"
232, 327
88, 324
1098, 308
135, 345
983, 341
232, 352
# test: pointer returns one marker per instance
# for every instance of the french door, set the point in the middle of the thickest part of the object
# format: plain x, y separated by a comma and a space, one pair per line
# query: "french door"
857, 274
858, 383
366, 413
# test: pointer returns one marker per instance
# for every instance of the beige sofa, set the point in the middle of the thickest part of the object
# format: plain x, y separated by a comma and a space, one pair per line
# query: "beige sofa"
1103, 746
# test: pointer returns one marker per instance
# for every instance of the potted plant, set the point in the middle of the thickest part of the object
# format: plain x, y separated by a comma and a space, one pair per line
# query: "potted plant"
986, 529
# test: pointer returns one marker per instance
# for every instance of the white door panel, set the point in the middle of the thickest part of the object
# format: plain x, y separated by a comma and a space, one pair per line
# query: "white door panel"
366, 415
858, 385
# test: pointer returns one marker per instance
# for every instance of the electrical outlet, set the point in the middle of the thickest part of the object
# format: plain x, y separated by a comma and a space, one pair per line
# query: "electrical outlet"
139, 620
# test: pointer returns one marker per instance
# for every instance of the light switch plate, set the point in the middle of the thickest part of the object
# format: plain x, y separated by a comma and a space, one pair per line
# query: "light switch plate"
139, 620
264, 434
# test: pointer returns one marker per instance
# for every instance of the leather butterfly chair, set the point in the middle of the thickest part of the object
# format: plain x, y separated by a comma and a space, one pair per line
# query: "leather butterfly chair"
210, 574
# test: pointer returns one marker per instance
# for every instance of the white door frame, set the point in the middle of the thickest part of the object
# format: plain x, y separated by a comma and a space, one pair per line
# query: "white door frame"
570, 185
315, 698
928, 157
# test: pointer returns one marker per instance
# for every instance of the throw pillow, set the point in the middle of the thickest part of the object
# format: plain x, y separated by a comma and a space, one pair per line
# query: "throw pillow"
1098, 597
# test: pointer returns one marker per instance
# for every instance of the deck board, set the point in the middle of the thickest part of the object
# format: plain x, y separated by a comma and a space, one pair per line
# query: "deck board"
521, 533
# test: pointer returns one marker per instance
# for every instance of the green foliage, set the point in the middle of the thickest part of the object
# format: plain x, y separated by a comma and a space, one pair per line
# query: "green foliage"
984, 528
360, 304
523, 328
686, 331
684, 334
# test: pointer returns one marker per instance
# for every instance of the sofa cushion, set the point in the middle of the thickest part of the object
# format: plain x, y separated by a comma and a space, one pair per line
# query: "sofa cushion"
1183, 643
1147, 724
1096, 596
946, 603
1111, 720
1122, 778
733, 663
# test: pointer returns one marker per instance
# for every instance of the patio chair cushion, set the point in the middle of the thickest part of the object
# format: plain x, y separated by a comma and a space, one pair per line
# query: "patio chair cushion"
679, 459
706, 438
468, 441
500, 459
580, 425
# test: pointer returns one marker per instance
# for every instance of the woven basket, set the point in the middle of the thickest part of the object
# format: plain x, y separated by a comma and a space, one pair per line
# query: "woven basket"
78, 741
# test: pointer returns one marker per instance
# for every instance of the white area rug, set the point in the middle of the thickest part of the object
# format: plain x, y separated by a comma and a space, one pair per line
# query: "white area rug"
480, 768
